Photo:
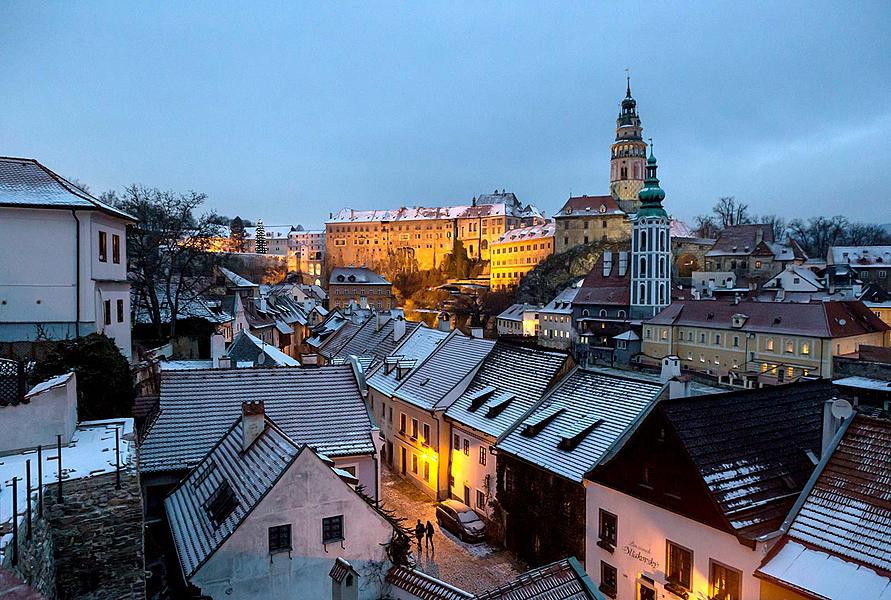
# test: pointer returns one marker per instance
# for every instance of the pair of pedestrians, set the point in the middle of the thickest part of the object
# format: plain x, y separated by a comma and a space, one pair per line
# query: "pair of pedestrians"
421, 531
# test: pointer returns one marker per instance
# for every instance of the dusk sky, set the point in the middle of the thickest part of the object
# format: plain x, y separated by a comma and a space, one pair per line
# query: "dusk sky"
287, 112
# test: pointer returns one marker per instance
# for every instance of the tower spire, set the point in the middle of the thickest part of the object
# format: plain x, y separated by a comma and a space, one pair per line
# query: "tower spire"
628, 81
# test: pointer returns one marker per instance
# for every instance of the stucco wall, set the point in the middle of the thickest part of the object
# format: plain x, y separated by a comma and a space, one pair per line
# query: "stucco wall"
308, 492
37, 422
467, 470
641, 549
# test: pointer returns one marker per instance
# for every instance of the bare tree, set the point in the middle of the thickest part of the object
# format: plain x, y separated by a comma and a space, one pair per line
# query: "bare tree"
777, 224
818, 233
729, 212
706, 227
167, 250
866, 234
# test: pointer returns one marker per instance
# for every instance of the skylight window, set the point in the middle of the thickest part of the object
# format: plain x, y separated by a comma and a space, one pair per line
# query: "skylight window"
221, 504
570, 443
479, 397
498, 408
533, 428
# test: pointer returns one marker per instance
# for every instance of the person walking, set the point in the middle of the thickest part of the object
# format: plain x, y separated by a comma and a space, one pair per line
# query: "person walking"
430, 535
419, 533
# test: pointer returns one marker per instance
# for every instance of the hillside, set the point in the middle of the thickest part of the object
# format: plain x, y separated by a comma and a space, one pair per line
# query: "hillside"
551, 276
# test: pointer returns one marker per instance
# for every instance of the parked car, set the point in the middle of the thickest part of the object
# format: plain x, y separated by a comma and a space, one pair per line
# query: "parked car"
461, 520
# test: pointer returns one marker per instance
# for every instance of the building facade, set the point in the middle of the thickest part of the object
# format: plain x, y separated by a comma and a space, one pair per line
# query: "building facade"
517, 252
78, 284
650, 250
589, 219
360, 286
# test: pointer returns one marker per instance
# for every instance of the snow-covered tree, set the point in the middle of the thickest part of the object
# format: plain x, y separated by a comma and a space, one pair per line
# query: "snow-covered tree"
261, 248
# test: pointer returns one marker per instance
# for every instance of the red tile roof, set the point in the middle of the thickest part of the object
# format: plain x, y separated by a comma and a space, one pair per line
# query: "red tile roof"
610, 288
594, 205
741, 239
817, 319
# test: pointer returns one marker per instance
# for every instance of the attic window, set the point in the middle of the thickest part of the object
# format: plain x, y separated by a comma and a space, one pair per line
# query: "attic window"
534, 428
390, 363
497, 409
352, 278
710, 316
777, 320
570, 443
340, 278
221, 504
479, 397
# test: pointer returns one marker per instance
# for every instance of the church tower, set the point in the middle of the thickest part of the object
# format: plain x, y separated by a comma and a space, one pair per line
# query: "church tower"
650, 249
628, 156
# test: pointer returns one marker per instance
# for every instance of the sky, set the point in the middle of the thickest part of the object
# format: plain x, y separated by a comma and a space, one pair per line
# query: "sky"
289, 111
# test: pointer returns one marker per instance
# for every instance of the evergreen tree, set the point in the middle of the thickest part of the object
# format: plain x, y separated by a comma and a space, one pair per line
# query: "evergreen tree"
236, 234
261, 238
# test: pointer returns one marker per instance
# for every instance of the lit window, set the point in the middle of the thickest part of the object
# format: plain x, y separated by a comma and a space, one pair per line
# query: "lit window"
466, 447
724, 582
679, 569
770, 344
790, 347
805, 348
483, 455
480, 499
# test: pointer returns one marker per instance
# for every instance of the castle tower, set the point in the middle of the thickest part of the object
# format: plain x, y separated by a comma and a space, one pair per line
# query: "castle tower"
628, 156
650, 249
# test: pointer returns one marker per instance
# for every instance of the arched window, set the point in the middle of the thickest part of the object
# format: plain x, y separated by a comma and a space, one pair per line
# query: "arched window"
662, 241
662, 293
622, 314
643, 267
586, 313
642, 298
643, 240
602, 312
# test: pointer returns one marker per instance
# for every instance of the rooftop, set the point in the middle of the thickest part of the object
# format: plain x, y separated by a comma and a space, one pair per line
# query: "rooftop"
322, 407
860, 256
838, 537
751, 447
741, 240
411, 351
564, 580
355, 275
374, 339
608, 283
817, 319
509, 383
26, 183
526, 234
589, 205
249, 348
577, 423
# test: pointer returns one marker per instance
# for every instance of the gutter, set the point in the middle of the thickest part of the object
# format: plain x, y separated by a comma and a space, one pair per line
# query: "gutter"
77, 273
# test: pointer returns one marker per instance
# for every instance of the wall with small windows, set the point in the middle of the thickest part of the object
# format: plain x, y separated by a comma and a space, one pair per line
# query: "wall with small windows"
472, 475
632, 544
292, 538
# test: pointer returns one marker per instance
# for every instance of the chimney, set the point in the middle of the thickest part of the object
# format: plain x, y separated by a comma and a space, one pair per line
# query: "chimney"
263, 305
217, 349
476, 332
253, 421
835, 412
679, 387
363, 302
443, 322
759, 236
398, 328
607, 262
224, 363
671, 368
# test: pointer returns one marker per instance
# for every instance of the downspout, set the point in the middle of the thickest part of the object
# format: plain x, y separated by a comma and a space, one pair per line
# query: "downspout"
77, 274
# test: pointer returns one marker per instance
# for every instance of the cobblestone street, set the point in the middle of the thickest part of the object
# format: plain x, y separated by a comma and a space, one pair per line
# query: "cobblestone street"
471, 567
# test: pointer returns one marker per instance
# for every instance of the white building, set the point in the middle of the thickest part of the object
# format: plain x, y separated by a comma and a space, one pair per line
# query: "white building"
518, 319
650, 250
555, 320
692, 500
64, 268
264, 517
511, 380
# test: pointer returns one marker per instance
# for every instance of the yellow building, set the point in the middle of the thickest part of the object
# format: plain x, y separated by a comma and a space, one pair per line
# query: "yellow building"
421, 238
760, 343
587, 219
517, 252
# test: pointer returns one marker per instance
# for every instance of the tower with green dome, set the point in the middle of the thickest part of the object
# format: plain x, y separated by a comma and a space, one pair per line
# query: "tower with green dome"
627, 156
650, 249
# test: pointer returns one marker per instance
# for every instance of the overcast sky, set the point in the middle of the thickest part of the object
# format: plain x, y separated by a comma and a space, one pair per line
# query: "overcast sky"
287, 113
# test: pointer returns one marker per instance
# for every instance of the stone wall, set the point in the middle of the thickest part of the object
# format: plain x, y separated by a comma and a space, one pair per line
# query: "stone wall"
89, 547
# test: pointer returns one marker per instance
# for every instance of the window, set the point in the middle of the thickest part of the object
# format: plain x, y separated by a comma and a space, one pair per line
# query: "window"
456, 442
426, 439
757, 264
332, 529
608, 528
279, 538
664, 334
414, 464
426, 471
805, 348
483, 455
480, 499
609, 579
107, 310
679, 561
414, 428
402, 420
116, 249
790, 347
221, 504
736, 341
770, 344
466, 447
717, 339
120, 307
103, 246
723, 582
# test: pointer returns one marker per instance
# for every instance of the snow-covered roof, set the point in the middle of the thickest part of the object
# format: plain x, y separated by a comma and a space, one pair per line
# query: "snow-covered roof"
860, 256
52, 382
373, 340
196, 307
864, 383
429, 385
26, 183
355, 275
322, 407
90, 452
509, 382
628, 336
415, 347
514, 312
562, 303
249, 348
186, 364
565, 579
235, 279
803, 273
822, 573
526, 234
578, 422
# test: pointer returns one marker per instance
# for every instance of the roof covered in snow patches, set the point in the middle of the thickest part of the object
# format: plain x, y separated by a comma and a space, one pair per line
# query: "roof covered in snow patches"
411, 351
